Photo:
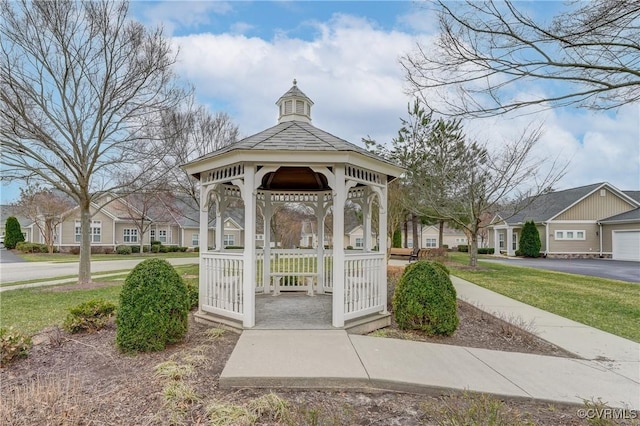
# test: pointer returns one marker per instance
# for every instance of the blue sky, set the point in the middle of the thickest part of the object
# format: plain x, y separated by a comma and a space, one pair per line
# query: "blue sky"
242, 56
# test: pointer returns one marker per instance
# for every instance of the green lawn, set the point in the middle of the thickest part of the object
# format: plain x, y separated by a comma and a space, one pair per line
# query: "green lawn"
609, 305
63, 257
31, 310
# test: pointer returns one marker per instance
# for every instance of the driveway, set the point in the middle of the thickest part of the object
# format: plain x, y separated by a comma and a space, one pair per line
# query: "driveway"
7, 256
604, 268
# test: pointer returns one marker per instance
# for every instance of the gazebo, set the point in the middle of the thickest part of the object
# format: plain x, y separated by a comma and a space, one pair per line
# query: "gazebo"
292, 162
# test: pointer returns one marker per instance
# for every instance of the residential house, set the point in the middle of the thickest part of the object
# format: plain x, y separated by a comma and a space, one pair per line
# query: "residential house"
597, 220
114, 219
429, 236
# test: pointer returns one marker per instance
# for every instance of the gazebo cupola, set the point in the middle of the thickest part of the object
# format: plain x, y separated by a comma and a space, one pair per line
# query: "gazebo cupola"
294, 105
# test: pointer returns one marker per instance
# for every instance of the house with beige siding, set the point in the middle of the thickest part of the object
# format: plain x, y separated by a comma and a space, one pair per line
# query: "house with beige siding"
429, 236
597, 220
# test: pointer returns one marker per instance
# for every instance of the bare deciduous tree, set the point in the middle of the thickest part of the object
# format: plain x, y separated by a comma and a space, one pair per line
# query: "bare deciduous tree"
191, 132
82, 89
508, 179
486, 51
45, 208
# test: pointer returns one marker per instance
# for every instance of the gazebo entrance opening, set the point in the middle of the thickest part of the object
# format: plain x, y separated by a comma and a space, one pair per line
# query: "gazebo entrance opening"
293, 162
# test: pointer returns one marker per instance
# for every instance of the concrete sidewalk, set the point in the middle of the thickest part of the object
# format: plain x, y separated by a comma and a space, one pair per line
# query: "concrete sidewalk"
334, 359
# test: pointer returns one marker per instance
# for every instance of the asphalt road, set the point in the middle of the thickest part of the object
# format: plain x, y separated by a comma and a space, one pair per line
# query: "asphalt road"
22, 271
604, 268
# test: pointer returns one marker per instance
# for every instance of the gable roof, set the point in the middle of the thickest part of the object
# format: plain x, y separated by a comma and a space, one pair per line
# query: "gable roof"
549, 205
630, 216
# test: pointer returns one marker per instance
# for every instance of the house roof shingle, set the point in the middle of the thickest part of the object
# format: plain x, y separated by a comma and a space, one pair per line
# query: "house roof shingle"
550, 204
631, 215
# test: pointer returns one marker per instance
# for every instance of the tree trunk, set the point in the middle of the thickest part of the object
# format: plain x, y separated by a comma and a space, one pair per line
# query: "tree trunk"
48, 237
405, 227
473, 250
441, 234
84, 271
414, 226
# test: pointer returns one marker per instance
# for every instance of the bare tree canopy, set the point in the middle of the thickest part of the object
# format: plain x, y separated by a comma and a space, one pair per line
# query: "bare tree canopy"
589, 53
45, 208
82, 87
191, 132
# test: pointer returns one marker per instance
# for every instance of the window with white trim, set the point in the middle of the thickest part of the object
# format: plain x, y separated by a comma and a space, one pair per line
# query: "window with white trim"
431, 243
501, 240
571, 235
229, 240
162, 235
129, 235
95, 231
152, 234
359, 242
195, 239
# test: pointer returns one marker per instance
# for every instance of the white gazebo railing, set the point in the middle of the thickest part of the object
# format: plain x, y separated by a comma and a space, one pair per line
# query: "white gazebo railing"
223, 275
363, 284
293, 270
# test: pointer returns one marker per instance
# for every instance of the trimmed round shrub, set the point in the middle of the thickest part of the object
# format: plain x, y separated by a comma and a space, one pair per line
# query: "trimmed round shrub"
123, 250
89, 316
425, 300
154, 308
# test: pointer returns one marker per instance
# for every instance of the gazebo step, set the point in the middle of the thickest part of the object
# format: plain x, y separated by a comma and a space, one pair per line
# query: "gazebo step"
218, 321
367, 324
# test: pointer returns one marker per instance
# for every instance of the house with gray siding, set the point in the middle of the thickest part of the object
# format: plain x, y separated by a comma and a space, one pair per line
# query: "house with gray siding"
597, 220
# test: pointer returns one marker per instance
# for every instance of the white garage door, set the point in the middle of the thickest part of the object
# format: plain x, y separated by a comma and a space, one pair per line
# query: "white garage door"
626, 245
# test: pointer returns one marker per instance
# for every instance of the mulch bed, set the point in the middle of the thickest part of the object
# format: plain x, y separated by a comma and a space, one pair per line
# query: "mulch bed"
84, 379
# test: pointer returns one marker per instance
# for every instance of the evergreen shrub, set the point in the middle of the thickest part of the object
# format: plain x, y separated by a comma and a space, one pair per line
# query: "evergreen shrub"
89, 316
425, 300
123, 250
530, 240
12, 233
13, 345
154, 308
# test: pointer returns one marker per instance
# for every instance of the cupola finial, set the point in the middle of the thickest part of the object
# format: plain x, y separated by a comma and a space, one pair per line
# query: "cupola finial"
295, 82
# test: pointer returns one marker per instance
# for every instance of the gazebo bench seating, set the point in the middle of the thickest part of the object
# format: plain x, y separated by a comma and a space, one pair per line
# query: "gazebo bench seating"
404, 253
293, 281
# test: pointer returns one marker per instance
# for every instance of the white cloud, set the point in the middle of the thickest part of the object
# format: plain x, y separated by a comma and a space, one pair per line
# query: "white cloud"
178, 14
350, 70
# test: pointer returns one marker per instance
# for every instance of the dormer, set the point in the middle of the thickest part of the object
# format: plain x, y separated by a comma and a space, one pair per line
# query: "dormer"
294, 105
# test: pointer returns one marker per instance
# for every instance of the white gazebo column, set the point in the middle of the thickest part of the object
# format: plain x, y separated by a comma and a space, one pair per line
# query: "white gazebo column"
321, 211
366, 213
382, 243
339, 199
249, 265
266, 262
203, 244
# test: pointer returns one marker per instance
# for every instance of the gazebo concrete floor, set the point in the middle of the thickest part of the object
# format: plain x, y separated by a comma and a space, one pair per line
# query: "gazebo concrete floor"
293, 311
